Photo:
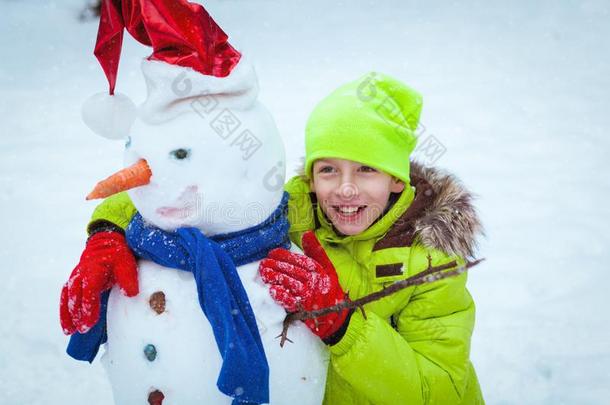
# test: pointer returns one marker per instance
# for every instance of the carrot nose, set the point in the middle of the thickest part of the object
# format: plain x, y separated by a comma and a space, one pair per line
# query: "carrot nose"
136, 175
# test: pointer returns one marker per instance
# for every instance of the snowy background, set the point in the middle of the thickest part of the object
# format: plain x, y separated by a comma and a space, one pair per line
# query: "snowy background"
517, 95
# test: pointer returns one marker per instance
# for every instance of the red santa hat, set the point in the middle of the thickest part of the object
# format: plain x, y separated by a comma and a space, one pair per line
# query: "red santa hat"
191, 59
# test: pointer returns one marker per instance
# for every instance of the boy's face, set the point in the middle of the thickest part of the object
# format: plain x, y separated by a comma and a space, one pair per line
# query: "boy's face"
352, 195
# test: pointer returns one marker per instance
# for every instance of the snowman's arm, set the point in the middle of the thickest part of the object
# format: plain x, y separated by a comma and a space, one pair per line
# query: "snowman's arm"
115, 210
301, 215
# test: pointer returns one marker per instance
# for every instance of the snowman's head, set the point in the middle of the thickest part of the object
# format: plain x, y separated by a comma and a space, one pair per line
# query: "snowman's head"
202, 152
219, 172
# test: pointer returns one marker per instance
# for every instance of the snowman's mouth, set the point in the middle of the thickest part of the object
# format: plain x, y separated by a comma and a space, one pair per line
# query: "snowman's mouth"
173, 212
185, 204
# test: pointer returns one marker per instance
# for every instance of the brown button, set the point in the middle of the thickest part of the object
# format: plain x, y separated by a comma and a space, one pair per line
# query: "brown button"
156, 398
157, 302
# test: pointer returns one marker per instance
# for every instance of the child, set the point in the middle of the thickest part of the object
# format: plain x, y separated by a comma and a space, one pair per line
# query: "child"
377, 221
370, 218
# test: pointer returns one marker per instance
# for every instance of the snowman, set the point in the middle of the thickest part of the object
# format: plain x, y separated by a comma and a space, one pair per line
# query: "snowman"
204, 167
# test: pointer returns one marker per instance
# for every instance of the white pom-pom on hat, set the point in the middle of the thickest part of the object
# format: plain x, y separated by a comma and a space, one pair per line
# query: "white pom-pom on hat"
110, 116
191, 58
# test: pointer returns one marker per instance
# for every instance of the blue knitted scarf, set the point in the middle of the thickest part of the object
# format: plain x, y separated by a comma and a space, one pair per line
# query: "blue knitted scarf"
244, 374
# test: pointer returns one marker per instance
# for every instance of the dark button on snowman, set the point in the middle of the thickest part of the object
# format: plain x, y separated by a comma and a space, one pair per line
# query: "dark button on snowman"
157, 302
203, 149
150, 351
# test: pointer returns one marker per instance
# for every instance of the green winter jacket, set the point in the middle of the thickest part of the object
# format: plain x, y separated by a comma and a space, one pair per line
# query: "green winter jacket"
413, 347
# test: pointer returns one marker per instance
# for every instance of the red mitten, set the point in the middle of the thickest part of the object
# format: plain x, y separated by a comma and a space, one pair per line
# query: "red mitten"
306, 282
105, 261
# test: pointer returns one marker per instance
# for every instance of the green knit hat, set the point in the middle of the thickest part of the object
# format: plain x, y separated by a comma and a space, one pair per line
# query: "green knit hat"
371, 120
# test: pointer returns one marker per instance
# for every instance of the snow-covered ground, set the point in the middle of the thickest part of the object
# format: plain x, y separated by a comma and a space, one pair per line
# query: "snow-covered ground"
517, 94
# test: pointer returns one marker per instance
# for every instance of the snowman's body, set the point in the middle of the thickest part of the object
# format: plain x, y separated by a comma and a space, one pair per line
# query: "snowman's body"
187, 361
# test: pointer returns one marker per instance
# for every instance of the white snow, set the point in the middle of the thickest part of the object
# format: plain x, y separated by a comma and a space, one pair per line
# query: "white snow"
516, 95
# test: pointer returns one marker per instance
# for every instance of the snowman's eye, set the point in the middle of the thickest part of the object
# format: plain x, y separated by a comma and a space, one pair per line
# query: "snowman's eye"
180, 154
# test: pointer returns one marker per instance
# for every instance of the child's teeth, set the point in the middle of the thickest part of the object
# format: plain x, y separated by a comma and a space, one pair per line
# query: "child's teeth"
348, 210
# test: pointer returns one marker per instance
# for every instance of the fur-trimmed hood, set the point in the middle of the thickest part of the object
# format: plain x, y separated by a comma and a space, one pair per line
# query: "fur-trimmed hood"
449, 222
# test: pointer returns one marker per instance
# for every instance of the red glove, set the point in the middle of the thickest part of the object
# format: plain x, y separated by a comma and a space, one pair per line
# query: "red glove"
298, 282
106, 259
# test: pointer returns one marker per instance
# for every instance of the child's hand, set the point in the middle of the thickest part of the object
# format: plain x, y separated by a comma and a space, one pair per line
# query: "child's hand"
308, 283
106, 259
